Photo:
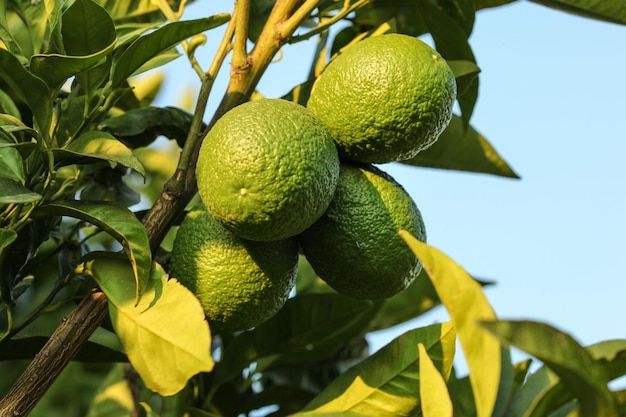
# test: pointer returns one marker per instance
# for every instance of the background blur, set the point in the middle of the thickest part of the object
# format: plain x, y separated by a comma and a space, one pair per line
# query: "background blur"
551, 101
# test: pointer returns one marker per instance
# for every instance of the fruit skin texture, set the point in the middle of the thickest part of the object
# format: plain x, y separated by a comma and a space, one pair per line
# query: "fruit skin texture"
267, 170
355, 246
385, 99
240, 283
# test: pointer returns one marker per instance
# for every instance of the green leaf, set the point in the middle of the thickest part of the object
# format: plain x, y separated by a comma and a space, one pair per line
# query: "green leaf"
405, 14
6, 238
613, 11
463, 149
97, 145
307, 328
387, 383
19, 348
612, 355
55, 69
11, 164
539, 394
419, 298
114, 396
140, 127
165, 336
484, 4
578, 371
12, 191
149, 46
136, 10
86, 28
29, 35
452, 42
489, 364
465, 72
120, 223
434, 396
29, 88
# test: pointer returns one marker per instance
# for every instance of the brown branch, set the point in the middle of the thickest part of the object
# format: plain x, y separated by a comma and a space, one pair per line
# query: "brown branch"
60, 349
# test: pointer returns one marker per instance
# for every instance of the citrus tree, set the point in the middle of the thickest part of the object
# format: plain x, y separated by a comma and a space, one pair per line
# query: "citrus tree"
113, 302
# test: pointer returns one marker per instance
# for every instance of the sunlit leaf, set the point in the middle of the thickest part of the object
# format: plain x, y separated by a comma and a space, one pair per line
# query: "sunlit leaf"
613, 11
12, 191
612, 356
97, 145
488, 363
434, 397
387, 383
464, 72
114, 396
578, 371
462, 149
165, 336
119, 222
29, 88
150, 45
55, 69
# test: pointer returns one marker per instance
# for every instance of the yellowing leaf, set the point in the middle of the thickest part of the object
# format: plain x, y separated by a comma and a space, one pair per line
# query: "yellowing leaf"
467, 305
166, 336
434, 396
387, 383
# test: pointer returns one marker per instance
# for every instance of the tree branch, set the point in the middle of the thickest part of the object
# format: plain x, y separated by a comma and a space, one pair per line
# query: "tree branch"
60, 349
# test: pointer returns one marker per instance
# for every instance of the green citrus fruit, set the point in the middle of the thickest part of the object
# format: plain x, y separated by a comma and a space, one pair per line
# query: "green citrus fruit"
267, 170
355, 246
240, 283
385, 99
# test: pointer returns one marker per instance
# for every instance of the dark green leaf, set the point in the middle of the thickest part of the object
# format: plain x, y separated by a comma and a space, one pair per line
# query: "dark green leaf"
484, 4
541, 392
464, 72
387, 383
259, 12
56, 69
451, 41
149, 46
29, 88
6, 238
300, 93
460, 10
27, 347
306, 329
140, 127
119, 222
97, 145
406, 15
12, 191
87, 29
613, 11
578, 371
11, 164
416, 300
463, 149
612, 355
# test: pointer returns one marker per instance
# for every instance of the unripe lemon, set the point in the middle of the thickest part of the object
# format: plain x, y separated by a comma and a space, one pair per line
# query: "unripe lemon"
240, 283
355, 246
267, 170
385, 99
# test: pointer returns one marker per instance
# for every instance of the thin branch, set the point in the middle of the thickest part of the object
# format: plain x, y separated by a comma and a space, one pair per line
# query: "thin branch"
296, 19
240, 51
347, 9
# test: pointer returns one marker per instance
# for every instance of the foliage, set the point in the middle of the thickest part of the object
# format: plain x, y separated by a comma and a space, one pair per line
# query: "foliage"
76, 131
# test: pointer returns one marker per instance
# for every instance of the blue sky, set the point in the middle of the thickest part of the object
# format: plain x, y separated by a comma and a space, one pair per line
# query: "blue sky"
551, 102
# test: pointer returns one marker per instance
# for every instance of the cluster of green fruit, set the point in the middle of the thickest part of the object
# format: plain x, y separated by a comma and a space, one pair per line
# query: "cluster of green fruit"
276, 178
